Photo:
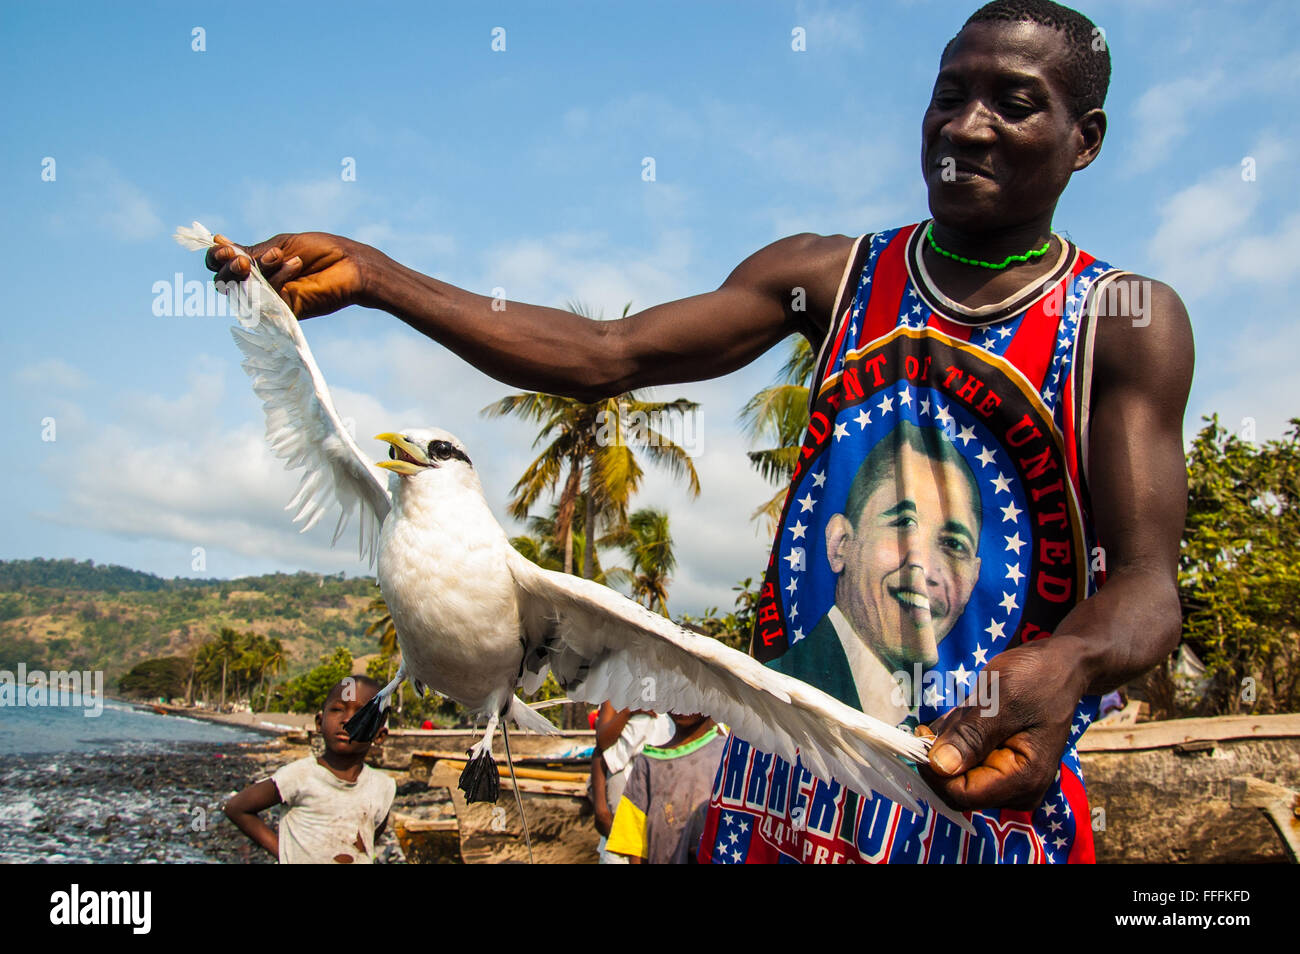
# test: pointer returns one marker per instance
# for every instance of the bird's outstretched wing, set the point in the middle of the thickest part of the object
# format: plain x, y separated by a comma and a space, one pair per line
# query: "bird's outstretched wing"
302, 426
601, 645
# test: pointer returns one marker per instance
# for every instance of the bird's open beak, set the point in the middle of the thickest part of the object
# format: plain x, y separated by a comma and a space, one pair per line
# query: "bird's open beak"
410, 460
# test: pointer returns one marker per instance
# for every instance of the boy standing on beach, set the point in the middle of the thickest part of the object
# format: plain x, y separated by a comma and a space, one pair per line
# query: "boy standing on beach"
338, 805
659, 815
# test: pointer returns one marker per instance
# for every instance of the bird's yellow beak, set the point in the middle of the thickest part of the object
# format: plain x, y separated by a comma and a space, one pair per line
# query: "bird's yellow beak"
409, 458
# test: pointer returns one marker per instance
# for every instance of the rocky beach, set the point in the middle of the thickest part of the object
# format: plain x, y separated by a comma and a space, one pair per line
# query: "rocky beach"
134, 787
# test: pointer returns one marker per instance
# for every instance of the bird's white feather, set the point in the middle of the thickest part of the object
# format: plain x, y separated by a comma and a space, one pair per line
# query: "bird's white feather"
302, 425
613, 648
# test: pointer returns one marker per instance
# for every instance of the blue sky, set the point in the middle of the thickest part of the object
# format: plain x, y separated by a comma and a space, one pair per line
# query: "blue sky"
522, 170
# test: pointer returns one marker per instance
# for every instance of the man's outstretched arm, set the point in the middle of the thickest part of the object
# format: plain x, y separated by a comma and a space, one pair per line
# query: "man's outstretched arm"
785, 288
1138, 485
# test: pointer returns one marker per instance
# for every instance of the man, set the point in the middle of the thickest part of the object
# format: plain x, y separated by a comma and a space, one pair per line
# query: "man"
905, 554
1090, 464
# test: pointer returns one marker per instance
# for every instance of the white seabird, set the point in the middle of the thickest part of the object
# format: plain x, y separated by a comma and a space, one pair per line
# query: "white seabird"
476, 620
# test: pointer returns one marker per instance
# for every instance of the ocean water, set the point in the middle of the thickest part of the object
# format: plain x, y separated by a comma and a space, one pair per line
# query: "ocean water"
28, 730
126, 786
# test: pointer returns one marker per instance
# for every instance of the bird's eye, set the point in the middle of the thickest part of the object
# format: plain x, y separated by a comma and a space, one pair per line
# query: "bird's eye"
440, 449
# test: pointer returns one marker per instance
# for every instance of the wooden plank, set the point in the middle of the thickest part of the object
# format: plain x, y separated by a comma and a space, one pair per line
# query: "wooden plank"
436, 754
1167, 734
429, 824
540, 775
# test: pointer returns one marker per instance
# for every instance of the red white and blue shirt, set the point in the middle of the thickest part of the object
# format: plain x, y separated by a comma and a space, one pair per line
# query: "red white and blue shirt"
984, 414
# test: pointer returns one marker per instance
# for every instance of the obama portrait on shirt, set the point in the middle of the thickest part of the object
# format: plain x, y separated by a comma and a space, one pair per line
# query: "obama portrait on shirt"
905, 554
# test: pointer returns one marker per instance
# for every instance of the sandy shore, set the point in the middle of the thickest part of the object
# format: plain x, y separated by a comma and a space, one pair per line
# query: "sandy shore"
271, 723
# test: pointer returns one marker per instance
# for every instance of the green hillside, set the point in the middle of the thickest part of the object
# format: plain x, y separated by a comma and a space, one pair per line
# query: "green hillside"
61, 614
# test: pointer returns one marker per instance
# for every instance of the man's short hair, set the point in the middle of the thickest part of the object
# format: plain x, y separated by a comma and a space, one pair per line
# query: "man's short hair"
881, 464
1087, 56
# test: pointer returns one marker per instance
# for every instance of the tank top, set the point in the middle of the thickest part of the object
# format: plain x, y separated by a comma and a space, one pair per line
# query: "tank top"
938, 515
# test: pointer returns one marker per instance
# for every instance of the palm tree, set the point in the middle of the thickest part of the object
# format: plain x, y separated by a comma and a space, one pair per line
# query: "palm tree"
649, 545
590, 459
207, 663
273, 663
227, 649
539, 546
250, 661
383, 625
779, 413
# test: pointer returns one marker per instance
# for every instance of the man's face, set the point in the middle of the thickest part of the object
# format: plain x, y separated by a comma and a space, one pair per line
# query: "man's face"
999, 142
908, 569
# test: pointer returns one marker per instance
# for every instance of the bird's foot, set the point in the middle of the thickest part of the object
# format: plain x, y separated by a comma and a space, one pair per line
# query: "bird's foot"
363, 726
481, 780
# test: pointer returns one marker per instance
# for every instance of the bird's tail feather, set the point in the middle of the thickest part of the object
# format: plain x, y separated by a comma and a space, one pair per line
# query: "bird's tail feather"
547, 703
529, 719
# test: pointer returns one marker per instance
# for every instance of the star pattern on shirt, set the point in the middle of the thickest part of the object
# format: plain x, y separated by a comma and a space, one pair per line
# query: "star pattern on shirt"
1068, 329
731, 844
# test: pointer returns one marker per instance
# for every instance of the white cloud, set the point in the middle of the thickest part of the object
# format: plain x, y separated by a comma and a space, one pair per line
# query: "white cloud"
102, 199
327, 204
1229, 247
1162, 115
569, 266
831, 27
49, 375
406, 246
1209, 232
167, 468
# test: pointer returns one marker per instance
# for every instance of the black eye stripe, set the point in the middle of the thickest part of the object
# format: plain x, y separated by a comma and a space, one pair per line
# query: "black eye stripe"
443, 450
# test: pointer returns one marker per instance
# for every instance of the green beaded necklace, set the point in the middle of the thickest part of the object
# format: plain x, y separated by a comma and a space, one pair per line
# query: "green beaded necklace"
1032, 253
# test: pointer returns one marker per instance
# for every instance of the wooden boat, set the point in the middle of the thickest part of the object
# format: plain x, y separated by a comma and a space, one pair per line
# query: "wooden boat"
1163, 792
553, 790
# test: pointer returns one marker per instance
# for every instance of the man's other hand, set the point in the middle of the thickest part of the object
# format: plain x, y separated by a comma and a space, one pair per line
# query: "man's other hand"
1008, 759
314, 272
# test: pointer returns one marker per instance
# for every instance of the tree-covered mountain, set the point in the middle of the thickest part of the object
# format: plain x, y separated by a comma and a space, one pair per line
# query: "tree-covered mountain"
64, 614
